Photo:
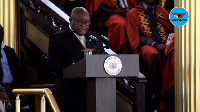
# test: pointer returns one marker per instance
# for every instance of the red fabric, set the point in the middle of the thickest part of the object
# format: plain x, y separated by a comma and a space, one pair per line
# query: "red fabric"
60, 1
167, 72
168, 67
115, 24
92, 5
132, 3
116, 32
167, 76
146, 51
134, 23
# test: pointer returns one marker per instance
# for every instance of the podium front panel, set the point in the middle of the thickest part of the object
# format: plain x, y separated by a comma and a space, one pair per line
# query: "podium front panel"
93, 66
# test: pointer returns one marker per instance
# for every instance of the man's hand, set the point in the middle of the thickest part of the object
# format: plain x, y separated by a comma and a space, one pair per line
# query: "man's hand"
160, 47
4, 98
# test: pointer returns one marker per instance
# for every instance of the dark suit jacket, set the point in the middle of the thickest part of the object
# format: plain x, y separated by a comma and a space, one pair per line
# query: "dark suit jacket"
13, 63
65, 49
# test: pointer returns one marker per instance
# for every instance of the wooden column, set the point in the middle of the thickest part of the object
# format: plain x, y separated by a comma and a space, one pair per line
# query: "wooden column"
187, 59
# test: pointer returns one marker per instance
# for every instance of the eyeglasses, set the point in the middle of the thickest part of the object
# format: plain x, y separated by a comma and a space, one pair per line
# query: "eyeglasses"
80, 23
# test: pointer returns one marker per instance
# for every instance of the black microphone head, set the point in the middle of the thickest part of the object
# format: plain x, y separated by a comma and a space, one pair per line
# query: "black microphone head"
91, 35
105, 40
98, 37
93, 38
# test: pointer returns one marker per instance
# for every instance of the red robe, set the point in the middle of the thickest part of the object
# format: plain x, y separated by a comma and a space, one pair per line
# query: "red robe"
136, 20
92, 5
60, 1
115, 23
168, 71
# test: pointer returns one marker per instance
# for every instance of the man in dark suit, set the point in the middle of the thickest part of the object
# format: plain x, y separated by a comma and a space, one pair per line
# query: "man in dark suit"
9, 71
65, 49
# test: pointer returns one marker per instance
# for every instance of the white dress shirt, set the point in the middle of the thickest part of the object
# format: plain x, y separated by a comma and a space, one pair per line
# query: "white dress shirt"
80, 38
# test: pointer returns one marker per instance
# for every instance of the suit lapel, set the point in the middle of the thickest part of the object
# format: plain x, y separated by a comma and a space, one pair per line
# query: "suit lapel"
89, 43
73, 39
76, 43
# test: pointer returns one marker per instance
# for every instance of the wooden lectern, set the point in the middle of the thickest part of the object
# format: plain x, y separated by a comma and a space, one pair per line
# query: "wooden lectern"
101, 87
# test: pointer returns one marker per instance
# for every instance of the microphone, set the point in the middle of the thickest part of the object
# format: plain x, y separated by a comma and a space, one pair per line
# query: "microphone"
99, 37
93, 38
92, 35
105, 40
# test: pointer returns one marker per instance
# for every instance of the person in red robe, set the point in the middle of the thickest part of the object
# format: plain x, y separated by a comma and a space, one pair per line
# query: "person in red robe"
148, 26
167, 93
111, 14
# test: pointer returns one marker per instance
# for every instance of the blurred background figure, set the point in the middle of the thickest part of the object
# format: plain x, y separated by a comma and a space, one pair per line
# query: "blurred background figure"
148, 27
111, 15
9, 73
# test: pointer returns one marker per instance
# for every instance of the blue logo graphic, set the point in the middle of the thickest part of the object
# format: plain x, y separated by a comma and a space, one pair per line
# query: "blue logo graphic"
178, 16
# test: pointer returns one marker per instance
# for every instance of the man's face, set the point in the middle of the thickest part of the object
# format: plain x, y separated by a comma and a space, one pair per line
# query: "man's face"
150, 1
80, 23
1, 34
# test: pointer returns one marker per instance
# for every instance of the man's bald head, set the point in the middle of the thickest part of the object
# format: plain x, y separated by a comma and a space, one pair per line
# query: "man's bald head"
80, 20
78, 10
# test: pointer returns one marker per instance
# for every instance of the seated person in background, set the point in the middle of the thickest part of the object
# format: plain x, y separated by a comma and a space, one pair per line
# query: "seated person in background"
148, 26
9, 71
111, 13
68, 5
65, 49
168, 98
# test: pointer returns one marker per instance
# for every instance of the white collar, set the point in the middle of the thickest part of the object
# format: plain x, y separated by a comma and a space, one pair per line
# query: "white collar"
2, 45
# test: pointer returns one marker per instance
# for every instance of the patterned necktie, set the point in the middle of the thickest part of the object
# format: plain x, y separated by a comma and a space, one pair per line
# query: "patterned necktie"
82, 41
153, 25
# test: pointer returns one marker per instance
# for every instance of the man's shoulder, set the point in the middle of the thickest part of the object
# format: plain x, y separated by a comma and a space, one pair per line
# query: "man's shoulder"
8, 47
61, 34
137, 9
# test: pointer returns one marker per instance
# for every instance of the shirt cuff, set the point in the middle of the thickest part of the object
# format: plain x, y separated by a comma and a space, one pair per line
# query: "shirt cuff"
152, 43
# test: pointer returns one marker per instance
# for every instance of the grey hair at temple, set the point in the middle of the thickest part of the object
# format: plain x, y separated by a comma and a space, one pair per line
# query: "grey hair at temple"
78, 10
